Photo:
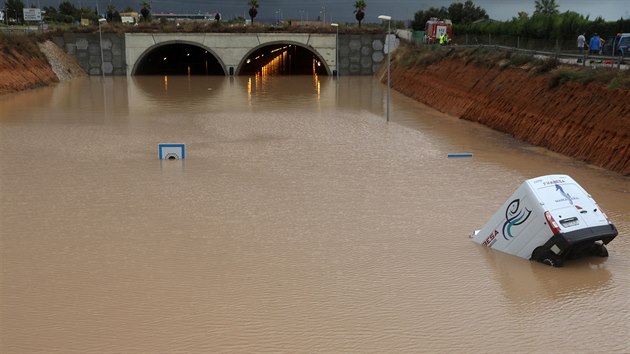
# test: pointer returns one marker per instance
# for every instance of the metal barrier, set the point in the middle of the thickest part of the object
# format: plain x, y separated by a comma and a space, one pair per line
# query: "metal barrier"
595, 59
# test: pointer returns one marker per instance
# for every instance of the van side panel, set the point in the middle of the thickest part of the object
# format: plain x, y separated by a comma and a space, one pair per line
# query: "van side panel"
522, 231
520, 215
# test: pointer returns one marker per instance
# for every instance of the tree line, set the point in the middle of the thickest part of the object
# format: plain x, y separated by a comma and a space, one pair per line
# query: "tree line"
545, 23
66, 12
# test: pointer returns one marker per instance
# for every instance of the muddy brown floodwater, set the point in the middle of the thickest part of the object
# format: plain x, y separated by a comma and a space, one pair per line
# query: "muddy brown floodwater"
300, 221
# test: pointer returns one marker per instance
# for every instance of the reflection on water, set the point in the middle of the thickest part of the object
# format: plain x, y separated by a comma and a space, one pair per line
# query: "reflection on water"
300, 221
534, 284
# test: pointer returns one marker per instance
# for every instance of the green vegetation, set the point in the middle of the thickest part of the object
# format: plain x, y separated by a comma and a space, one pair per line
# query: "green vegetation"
409, 56
253, 9
613, 79
562, 26
546, 7
541, 30
13, 10
457, 12
25, 44
359, 10
145, 11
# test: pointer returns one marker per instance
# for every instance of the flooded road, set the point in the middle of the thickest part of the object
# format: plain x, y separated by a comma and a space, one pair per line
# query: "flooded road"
299, 222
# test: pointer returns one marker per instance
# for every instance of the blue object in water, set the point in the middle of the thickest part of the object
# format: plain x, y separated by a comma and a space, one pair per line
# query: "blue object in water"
460, 155
171, 151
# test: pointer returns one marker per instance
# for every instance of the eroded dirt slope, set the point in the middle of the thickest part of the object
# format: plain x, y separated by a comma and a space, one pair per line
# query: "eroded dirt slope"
587, 122
22, 69
26, 64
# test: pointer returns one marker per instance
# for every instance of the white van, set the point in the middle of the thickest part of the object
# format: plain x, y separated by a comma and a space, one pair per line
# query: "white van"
548, 219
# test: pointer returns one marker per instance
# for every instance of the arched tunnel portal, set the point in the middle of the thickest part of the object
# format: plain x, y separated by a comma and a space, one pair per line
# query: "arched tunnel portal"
282, 58
177, 58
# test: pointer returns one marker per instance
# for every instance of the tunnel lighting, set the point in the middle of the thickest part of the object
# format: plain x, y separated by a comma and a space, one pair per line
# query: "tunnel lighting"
319, 63
249, 61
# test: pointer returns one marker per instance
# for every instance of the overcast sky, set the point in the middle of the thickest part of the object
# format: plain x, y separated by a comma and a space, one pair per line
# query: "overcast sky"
342, 10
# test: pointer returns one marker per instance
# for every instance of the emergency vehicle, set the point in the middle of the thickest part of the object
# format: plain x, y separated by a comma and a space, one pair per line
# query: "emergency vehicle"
436, 27
548, 219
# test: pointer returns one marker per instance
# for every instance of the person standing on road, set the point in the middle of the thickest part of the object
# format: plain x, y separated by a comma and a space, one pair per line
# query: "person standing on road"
593, 44
581, 41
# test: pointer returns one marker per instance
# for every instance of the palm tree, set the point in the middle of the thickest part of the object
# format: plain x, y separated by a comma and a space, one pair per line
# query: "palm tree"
109, 15
546, 7
146, 11
359, 6
253, 5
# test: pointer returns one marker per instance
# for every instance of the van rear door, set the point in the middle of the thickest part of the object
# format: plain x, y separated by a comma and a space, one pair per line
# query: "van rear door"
570, 205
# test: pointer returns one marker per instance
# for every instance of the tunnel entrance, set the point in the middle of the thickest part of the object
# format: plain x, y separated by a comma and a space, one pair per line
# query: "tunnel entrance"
283, 59
179, 59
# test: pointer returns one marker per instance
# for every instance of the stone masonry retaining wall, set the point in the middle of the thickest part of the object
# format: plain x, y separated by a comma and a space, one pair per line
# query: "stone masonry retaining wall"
86, 49
358, 54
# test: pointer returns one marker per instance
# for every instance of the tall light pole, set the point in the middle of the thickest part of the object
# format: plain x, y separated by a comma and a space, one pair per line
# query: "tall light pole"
389, 53
336, 25
100, 36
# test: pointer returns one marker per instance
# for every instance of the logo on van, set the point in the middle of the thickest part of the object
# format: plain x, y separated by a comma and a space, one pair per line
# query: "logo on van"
514, 216
567, 196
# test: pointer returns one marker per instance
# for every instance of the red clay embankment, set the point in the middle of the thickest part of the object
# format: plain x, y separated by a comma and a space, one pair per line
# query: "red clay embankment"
588, 122
26, 63
23, 66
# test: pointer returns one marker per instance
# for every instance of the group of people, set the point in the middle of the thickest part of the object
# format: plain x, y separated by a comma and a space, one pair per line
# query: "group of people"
443, 39
595, 44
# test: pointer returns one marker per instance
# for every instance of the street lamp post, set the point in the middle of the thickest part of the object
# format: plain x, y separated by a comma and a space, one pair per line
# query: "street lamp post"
100, 36
387, 41
336, 25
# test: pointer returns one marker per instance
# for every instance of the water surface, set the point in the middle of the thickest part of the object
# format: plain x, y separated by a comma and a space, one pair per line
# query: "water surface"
300, 221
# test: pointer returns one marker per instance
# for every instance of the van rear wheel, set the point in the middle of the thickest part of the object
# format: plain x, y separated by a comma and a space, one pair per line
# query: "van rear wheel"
547, 257
602, 251
552, 261
597, 250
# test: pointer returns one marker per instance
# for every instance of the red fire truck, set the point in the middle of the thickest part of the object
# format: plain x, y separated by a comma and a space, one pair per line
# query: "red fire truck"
436, 27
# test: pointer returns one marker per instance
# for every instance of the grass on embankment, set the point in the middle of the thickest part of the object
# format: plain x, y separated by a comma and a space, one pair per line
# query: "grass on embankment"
409, 56
25, 44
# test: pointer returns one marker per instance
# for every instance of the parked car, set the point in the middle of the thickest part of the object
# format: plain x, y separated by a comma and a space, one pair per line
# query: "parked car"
620, 42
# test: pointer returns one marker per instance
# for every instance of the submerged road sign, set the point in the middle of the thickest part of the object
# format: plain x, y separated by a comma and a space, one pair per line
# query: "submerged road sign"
171, 151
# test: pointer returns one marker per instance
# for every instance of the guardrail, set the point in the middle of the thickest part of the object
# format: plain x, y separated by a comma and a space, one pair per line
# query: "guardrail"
19, 30
601, 60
